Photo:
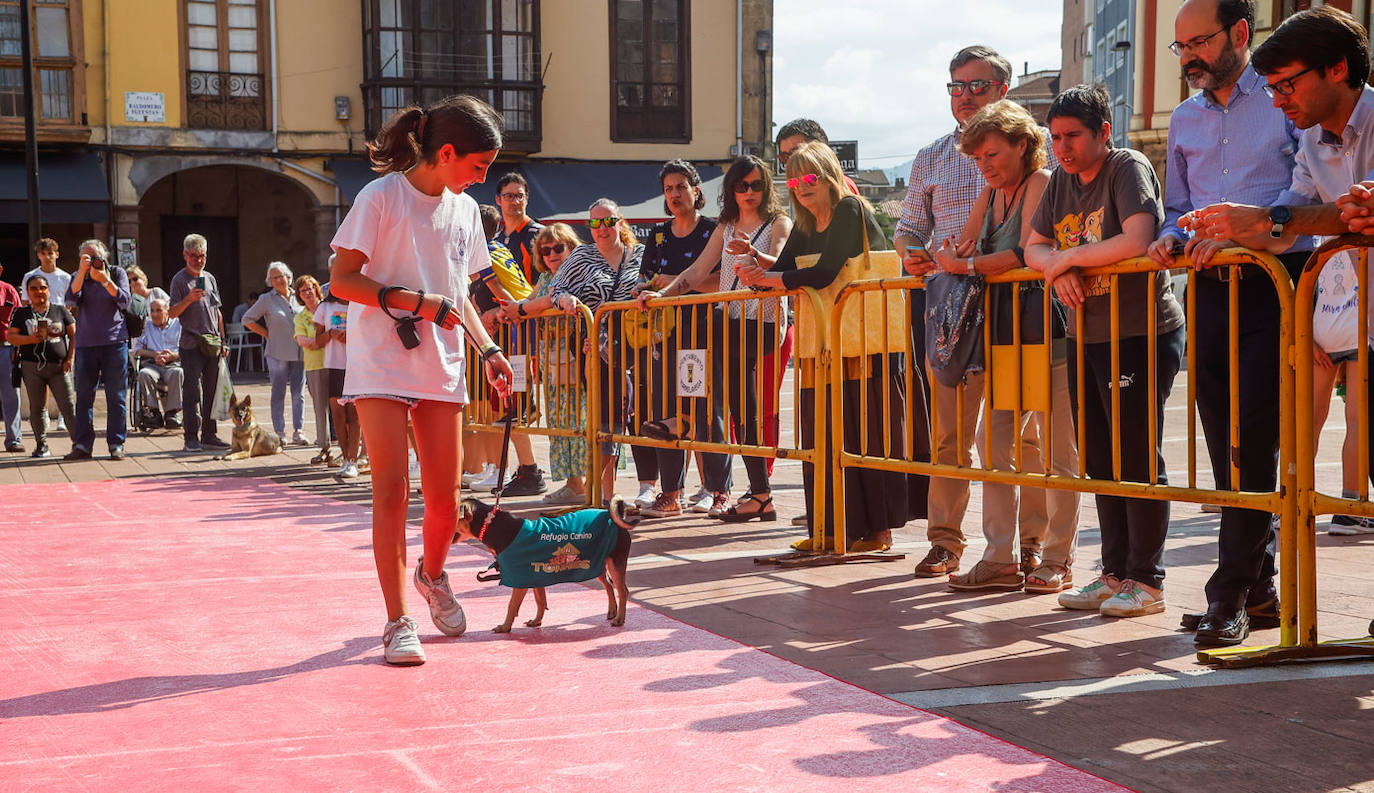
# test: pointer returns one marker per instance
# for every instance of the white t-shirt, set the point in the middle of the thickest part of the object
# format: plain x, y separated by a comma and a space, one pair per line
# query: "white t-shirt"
1336, 316
58, 281
334, 316
430, 243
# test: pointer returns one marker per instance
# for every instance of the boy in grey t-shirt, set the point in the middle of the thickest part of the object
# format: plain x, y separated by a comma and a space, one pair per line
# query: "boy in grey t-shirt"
1102, 206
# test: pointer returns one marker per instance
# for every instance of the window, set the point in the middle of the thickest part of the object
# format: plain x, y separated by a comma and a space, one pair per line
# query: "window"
419, 51
649, 67
51, 32
225, 55
1121, 53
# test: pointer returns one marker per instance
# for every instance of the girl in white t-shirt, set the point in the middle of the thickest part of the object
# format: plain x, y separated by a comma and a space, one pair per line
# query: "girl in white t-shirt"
402, 259
331, 322
1336, 339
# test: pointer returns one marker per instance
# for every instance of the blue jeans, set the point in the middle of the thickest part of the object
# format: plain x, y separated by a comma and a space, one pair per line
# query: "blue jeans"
282, 373
110, 361
9, 398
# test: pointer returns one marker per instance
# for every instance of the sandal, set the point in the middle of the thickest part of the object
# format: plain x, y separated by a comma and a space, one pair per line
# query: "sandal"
733, 515
660, 431
323, 458
1049, 579
987, 576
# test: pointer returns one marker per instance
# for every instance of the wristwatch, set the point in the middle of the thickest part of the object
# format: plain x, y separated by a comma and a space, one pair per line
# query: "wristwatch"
1279, 216
520, 308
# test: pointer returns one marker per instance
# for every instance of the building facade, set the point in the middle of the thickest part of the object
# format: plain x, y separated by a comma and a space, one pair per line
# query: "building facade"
247, 120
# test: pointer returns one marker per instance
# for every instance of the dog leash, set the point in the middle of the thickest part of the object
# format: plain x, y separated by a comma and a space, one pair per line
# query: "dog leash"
486, 575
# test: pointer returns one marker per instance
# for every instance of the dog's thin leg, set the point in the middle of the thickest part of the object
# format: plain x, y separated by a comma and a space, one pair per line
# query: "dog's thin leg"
541, 602
517, 596
616, 570
610, 593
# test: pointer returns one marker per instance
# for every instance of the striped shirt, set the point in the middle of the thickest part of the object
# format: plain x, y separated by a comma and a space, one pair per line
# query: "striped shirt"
587, 276
940, 193
1242, 152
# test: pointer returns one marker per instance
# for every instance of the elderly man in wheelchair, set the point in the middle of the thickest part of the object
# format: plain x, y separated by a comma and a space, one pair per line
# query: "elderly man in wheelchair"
158, 360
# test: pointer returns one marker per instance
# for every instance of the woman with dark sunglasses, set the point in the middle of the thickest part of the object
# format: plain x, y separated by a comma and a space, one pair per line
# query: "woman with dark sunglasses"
751, 222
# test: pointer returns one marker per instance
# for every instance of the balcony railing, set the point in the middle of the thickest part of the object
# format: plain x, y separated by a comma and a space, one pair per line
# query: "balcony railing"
224, 100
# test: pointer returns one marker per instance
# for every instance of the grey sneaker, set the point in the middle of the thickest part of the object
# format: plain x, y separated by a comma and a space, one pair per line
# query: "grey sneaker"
1090, 597
443, 607
1349, 525
401, 643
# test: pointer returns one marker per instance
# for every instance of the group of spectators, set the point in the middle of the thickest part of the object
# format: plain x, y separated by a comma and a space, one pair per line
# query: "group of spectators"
1270, 154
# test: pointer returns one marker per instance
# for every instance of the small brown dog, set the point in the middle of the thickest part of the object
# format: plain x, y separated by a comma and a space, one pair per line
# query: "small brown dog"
577, 546
250, 439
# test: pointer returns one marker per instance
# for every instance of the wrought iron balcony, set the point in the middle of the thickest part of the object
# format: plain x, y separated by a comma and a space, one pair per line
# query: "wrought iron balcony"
224, 100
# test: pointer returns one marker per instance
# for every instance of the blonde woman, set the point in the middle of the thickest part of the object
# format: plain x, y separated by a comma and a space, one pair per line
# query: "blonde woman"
312, 344
832, 221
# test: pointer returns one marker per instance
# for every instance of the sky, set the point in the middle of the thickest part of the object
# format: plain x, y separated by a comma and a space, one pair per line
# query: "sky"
875, 70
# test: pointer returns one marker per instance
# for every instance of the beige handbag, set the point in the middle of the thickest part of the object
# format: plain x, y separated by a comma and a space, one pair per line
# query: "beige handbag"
862, 329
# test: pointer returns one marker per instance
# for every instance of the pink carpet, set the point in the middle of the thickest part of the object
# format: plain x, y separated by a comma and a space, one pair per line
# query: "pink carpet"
231, 643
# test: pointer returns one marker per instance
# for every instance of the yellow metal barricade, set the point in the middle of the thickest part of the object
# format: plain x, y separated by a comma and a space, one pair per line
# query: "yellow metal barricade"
1035, 392
680, 361
548, 352
1299, 548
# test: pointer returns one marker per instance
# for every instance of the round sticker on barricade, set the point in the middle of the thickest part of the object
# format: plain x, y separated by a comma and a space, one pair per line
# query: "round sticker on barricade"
691, 373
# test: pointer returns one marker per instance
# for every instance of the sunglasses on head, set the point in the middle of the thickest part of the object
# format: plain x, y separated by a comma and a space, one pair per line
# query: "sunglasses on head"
550, 250
794, 182
744, 187
975, 87
597, 223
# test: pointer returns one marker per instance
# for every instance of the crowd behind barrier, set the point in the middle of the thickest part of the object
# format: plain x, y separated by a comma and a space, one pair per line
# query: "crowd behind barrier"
1023, 307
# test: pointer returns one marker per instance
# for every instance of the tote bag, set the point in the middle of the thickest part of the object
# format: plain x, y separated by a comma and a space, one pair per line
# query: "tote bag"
862, 329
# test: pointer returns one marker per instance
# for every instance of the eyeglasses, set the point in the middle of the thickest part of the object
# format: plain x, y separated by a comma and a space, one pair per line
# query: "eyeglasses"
794, 182
1285, 86
513, 196
597, 223
1195, 43
551, 250
975, 87
744, 187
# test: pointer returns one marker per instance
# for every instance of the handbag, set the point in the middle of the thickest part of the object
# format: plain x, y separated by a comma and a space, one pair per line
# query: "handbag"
209, 344
862, 329
954, 326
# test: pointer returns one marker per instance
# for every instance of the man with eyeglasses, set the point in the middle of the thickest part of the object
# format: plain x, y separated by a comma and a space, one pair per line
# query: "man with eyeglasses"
1229, 143
1315, 65
800, 131
517, 228
939, 197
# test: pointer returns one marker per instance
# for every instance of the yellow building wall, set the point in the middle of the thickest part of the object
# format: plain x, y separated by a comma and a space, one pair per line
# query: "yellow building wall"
319, 57
575, 42
145, 55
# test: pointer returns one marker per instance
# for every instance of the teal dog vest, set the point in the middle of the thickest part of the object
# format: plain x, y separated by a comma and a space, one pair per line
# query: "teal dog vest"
547, 551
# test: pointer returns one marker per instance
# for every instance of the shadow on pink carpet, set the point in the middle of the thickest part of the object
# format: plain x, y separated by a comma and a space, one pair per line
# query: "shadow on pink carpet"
232, 643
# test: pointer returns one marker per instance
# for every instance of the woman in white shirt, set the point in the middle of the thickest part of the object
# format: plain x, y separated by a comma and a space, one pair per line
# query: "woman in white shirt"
402, 258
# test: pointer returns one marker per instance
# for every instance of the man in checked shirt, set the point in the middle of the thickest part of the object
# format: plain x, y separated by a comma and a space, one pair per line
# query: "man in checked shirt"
940, 193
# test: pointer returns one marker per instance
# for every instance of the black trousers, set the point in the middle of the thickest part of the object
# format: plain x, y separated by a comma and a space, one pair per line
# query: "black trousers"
1245, 548
198, 393
1133, 529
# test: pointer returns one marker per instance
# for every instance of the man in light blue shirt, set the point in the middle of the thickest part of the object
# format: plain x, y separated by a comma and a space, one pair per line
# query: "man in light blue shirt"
159, 358
1229, 143
1315, 65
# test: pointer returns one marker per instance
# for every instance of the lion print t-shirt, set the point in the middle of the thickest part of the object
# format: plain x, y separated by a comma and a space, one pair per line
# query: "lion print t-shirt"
1072, 214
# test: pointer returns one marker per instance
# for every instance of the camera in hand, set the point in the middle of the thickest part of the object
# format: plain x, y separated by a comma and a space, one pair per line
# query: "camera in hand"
98, 263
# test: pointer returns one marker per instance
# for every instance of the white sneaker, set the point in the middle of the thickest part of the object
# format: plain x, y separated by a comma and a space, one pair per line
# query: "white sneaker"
401, 643
564, 495
61, 424
486, 484
298, 438
487, 468
1090, 597
701, 502
443, 607
349, 470
646, 497
1131, 601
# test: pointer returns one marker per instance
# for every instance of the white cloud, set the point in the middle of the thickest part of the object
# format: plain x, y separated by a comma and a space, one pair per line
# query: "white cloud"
875, 70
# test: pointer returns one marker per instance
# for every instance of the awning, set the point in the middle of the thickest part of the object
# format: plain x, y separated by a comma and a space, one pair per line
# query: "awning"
564, 190
71, 188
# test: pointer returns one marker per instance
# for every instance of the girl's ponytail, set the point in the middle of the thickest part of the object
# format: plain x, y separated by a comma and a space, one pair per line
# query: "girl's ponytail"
415, 134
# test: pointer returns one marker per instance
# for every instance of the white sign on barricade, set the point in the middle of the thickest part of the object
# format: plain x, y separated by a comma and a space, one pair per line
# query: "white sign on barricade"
519, 365
691, 373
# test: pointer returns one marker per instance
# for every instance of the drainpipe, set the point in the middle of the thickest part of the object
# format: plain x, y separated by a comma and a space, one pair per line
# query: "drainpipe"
739, 77
276, 89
